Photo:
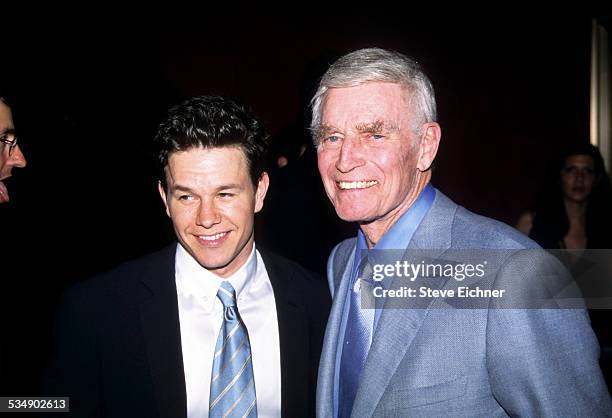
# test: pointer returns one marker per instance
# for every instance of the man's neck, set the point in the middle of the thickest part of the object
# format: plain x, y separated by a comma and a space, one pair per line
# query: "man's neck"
375, 230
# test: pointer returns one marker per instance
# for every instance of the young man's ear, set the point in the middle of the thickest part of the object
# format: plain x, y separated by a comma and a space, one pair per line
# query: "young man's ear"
164, 198
261, 190
428, 148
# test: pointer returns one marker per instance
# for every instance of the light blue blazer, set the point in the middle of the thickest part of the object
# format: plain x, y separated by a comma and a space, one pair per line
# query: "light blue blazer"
427, 362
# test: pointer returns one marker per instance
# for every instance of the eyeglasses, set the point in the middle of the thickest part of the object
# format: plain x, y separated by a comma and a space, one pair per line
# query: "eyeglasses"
10, 139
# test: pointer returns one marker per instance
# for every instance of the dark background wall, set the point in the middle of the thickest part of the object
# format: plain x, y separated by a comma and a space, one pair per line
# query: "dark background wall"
87, 97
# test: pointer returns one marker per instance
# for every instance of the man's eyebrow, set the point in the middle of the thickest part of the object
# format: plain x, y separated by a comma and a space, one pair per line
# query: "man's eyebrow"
377, 127
324, 130
230, 186
187, 189
8, 131
181, 188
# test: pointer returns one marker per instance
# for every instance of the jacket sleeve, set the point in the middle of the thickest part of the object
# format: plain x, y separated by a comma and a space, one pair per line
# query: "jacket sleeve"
542, 361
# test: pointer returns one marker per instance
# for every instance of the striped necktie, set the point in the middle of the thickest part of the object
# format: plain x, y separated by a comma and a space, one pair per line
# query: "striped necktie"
232, 385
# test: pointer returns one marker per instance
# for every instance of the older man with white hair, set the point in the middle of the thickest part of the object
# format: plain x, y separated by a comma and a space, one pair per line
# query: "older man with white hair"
437, 353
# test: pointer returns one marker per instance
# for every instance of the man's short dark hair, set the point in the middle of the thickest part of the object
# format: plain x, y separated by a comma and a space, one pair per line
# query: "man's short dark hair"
211, 122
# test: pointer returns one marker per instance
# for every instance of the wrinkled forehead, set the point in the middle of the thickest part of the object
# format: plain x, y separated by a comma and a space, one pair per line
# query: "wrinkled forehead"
367, 107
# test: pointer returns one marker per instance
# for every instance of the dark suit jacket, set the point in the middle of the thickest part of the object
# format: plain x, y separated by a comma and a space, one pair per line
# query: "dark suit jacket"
118, 343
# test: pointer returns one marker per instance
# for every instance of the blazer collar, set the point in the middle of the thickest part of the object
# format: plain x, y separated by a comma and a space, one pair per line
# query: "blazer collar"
279, 276
161, 329
434, 232
293, 334
331, 348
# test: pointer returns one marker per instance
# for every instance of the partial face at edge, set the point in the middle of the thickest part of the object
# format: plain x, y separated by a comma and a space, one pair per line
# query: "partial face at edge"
7, 162
212, 202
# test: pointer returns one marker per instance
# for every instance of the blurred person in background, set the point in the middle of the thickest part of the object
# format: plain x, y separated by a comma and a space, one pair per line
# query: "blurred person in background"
574, 215
575, 209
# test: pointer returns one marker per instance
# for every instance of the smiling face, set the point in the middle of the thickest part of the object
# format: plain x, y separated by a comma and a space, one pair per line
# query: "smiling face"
211, 202
372, 163
578, 178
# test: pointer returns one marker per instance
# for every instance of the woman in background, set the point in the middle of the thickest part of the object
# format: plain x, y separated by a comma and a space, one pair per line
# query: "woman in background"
575, 214
576, 208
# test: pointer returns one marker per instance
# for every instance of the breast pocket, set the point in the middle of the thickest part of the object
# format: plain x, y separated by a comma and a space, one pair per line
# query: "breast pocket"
428, 395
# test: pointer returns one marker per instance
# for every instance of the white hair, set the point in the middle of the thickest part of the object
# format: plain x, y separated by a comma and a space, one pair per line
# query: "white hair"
376, 64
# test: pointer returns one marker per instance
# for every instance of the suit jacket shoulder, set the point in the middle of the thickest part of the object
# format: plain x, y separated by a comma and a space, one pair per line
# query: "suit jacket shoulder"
478, 231
289, 271
447, 225
126, 278
117, 343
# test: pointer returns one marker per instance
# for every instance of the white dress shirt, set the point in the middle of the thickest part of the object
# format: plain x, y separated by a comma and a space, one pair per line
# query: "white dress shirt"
201, 316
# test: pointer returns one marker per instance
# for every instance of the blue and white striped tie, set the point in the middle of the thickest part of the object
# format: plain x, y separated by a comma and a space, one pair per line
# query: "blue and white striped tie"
232, 385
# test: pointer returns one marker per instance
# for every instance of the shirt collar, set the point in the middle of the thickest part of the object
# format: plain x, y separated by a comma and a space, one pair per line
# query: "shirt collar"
194, 280
402, 231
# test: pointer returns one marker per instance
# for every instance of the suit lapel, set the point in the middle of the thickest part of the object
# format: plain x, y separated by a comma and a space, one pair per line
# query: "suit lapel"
292, 330
331, 344
161, 329
398, 325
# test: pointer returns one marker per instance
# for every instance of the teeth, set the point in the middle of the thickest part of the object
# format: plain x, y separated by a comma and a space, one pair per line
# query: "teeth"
345, 185
212, 237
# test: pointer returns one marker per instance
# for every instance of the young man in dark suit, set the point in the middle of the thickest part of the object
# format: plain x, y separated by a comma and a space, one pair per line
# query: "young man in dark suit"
211, 325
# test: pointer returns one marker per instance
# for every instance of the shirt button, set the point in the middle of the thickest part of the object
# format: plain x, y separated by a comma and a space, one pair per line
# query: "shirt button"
205, 298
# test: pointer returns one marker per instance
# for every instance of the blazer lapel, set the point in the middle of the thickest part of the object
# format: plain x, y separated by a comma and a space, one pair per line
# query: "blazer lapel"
292, 330
401, 319
331, 344
161, 329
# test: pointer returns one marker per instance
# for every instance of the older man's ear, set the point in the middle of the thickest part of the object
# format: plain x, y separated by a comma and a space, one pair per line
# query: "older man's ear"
428, 148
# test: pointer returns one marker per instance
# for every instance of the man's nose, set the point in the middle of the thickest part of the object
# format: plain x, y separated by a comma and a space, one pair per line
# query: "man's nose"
208, 215
351, 155
17, 159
